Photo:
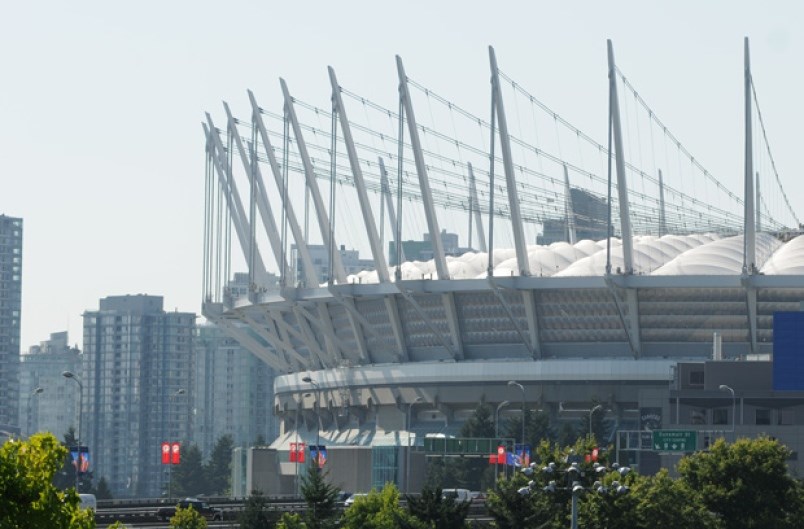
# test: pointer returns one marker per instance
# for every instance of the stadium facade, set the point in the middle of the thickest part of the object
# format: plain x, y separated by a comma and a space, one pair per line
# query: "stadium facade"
378, 359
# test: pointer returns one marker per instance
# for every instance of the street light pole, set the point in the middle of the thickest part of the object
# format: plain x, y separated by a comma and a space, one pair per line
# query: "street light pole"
521, 388
318, 418
180, 391
497, 435
35, 392
407, 456
724, 387
71, 375
592, 412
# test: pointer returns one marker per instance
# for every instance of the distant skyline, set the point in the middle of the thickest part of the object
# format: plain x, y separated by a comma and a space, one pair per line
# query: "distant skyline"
103, 155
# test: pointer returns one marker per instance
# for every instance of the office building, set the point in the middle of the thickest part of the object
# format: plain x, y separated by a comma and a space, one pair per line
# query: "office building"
10, 303
48, 400
233, 392
137, 389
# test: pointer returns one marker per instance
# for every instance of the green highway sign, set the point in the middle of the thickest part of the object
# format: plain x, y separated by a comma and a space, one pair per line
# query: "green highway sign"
675, 440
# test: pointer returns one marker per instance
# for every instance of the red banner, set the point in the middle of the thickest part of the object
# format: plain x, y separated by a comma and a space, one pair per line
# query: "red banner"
293, 455
501, 456
175, 453
300, 452
165, 453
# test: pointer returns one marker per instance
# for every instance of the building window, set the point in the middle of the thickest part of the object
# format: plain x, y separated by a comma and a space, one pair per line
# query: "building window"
763, 416
696, 378
698, 416
785, 417
720, 416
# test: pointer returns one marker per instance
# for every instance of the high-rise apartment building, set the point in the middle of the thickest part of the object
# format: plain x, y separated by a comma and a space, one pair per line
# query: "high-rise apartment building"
48, 401
233, 392
137, 390
10, 304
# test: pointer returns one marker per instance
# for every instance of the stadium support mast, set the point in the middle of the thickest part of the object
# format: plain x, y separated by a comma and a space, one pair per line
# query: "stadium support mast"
264, 206
619, 161
568, 210
380, 263
508, 165
421, 171
386, 192
236, 210
474, 205
662, 212
749, 230
310, 278
336, 266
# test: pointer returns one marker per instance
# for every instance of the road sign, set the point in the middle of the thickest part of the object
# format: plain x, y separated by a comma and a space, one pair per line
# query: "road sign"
675, 440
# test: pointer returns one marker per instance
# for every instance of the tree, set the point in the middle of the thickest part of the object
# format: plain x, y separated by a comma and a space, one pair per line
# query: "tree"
257, 513
666, 502
473, 473
379, 510
102, 491
28, 497
187, 518
188, 477
219, 467
320, 497
745, 483
290, 520
436, 511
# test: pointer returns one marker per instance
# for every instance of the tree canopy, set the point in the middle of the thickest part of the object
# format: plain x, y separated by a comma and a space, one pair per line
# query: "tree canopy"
28, 497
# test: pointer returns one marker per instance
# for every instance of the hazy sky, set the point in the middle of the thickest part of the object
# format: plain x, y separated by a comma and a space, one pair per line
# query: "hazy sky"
101, 149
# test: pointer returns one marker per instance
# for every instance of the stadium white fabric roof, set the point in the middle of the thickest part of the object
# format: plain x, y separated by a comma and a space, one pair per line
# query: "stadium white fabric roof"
697, 254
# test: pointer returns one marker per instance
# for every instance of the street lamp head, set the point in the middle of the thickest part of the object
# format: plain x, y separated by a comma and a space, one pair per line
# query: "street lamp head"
503, 404
597, 407
724, 387
37, 391
514, 383
308, 380
180, 391
68, 374
418, 399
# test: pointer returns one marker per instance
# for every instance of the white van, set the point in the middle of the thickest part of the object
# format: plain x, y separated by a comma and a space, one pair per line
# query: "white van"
460, 495
88, 501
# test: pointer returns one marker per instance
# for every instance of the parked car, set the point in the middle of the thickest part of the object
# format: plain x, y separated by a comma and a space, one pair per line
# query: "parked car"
351, 499
88, 501
200, 506
459, 495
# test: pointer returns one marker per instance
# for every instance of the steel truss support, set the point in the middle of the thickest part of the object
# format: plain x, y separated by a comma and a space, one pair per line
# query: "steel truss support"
532, 341
243, 338
238, 215
261, 328
627, 320
386, 192
408, 295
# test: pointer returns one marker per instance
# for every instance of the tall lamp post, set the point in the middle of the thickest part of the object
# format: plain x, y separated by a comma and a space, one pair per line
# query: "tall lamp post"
318, 418
35, 392
407, 456
724, 387
592, 412
497, 435
72, 376
180, 391
522, 389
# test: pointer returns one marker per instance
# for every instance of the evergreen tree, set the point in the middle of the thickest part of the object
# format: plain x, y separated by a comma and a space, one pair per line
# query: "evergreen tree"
102, 491
188, 477
257, 513
320, 497
473, 473
436, 511
219, 467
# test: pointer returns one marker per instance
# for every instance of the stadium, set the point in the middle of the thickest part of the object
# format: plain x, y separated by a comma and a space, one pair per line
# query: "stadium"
587, 278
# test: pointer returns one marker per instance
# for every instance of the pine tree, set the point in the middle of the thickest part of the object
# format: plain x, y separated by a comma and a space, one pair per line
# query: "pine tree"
188, 477
218, 469
320, 497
